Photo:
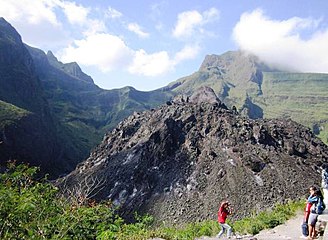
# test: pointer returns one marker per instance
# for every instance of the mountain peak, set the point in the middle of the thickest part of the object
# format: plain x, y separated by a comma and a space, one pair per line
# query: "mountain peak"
51, 57
225, 60
71, 68
9, 33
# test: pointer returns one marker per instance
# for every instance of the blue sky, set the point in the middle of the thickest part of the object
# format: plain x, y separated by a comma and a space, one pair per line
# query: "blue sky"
148, 44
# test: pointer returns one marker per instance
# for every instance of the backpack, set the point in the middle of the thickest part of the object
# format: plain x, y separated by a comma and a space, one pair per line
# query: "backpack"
319, 206
305, 229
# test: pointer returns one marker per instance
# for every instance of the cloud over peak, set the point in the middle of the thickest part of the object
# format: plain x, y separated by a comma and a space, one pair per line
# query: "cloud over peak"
294, 44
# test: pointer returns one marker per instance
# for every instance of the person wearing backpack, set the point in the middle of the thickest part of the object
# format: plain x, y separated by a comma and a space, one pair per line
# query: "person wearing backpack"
324, 183
316, 199
224, 210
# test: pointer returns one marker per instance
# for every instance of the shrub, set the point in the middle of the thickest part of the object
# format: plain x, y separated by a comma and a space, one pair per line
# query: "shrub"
31, 209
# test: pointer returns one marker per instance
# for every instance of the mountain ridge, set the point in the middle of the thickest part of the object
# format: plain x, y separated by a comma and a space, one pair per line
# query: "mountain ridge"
74, 112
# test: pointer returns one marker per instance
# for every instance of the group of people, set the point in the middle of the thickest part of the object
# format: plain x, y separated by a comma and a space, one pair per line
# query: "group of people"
315, 204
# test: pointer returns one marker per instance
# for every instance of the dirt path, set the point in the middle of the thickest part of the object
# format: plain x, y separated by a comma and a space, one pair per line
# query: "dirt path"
290, 230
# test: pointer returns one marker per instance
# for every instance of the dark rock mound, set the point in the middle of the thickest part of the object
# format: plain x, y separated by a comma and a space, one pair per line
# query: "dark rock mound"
178, 162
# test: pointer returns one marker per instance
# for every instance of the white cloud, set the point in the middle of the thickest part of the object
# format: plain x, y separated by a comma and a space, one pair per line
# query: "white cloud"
211, 15
94, 26
28, 11
134, 27
280, 43
188, 52
79, 15
41, 22
113, 13
187, 21
191, 22
36, 21
105, 51
108, 52
76, 14
150, 64
160, 63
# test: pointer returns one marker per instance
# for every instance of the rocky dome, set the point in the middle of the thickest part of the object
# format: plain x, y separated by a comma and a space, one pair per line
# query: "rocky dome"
179, 161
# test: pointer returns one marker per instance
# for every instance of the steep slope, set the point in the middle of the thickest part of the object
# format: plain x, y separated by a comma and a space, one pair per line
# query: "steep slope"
70, 112
179, 161
258, 91
27, 129
85, 111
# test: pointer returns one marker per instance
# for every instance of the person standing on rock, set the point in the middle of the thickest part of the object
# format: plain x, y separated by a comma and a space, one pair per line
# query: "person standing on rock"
224, 210
324, 183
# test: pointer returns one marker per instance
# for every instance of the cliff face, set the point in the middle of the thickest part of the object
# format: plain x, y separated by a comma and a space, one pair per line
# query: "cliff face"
29, 137
179, 161
64, 113
19, 83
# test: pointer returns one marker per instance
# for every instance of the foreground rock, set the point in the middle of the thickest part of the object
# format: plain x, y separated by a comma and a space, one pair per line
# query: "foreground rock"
178, 162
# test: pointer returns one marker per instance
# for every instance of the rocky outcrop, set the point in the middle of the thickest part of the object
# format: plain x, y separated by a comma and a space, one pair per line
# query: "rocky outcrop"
179, 161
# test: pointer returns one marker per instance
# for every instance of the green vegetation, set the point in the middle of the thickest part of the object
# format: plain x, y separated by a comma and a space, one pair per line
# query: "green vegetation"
33, 208
10, 114
269, 218
299, 96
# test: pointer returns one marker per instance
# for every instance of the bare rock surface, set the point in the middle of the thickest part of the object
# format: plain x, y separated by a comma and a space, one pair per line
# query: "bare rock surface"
179, 161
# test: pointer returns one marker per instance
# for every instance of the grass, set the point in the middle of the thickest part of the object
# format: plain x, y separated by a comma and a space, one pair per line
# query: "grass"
10, 114
250, 225
268, 219
301, 97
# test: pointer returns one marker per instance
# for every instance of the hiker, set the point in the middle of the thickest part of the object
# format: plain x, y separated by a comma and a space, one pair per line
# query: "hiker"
315, 198
324, 183
224, 210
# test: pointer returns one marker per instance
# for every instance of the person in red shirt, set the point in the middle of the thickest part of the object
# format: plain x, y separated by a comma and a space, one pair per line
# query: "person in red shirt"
223, 213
